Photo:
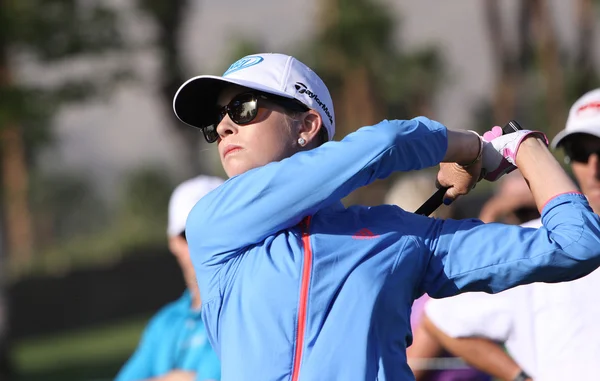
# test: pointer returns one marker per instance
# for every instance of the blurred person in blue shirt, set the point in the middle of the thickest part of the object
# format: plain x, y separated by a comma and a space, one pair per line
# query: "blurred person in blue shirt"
174, 345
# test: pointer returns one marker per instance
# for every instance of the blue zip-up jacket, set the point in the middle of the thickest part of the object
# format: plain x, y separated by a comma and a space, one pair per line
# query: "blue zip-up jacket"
175, 339
297, 287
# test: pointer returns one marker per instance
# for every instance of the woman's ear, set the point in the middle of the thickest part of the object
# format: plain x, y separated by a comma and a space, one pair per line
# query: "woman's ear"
310, 125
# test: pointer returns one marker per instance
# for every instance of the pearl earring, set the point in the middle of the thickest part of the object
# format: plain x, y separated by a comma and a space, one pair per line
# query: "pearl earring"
301, 141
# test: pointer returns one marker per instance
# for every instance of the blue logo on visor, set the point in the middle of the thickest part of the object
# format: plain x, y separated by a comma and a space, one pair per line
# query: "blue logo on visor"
243, 64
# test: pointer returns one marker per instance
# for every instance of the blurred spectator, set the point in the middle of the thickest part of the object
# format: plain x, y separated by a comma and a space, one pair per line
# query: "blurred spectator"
512, 204
550, 330
426, 356
410, 191
175, 346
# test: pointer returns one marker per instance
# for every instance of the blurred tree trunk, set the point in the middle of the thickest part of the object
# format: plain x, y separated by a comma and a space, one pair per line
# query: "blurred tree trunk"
15, 175
357, 54
45, 33
168, 17
356, 100
549, 58
584, 64
17, 224
358, 104
15, 189
506, 64
359, 108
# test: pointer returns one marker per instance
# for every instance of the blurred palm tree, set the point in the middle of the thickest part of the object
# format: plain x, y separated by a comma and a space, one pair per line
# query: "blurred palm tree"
584, 77
536, 78
52, 32
368, 74
168, 17
508, 61
45, 33
549, 59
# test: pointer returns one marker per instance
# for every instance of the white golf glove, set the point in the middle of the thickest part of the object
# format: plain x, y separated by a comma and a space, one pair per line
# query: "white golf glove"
500, 151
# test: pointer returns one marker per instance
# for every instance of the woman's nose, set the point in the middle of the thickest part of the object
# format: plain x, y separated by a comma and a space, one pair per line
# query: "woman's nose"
226, 127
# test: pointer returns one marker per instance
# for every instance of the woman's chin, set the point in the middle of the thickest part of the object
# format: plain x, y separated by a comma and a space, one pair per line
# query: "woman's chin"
234, 169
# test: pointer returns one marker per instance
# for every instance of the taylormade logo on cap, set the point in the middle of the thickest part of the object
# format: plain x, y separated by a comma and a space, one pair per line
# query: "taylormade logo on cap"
302, 89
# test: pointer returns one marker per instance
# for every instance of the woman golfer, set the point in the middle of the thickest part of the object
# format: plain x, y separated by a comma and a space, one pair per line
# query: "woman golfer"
297, 287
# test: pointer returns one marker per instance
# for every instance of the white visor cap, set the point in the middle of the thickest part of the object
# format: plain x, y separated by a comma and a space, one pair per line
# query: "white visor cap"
272, 73
184, 198
584, 118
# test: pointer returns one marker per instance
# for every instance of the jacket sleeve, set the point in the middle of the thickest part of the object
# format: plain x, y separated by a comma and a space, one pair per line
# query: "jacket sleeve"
469, 255
252, 206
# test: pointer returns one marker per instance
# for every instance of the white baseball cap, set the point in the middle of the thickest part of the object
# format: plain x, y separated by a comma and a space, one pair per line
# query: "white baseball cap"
584, 118
183, 199
271, 73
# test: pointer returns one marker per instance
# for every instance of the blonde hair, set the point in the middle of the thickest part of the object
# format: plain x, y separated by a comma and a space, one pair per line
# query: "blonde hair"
290, 117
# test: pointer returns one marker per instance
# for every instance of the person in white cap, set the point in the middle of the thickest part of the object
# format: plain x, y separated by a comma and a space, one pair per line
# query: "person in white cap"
550, 330
581, 143
512, 203
174, 346
297, 287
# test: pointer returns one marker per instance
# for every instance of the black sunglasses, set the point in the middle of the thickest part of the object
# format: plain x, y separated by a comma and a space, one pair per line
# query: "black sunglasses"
580, 154
243, 109
526, 213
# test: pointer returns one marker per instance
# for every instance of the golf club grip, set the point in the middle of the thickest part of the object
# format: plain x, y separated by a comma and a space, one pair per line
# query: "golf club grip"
432, 202
437, 198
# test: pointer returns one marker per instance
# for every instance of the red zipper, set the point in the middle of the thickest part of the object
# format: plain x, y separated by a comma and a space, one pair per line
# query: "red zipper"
303, 303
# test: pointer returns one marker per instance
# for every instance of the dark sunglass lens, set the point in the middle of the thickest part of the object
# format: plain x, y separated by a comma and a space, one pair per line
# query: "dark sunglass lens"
527, 213
243, 109
574, 153
221, 114
210, 133
580, 155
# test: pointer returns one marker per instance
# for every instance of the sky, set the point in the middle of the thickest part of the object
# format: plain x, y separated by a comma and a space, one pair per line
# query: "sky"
108, 138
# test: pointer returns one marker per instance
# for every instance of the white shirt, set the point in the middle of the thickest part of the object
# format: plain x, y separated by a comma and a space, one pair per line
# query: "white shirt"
551, 330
